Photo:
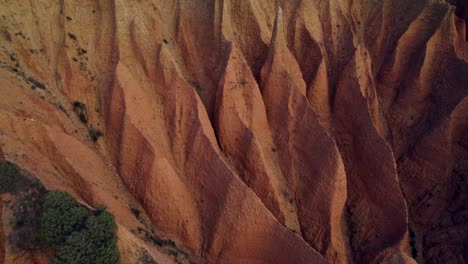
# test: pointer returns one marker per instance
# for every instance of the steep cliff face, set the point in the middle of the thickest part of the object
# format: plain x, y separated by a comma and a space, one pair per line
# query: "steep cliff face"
251, 131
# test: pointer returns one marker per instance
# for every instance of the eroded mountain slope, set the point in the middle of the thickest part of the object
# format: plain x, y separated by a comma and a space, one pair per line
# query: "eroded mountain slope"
249, 131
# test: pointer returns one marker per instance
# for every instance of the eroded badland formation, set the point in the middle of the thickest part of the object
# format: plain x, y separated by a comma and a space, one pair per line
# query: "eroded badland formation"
246, 131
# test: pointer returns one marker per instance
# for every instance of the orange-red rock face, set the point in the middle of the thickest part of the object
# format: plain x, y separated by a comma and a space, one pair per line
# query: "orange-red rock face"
249, 131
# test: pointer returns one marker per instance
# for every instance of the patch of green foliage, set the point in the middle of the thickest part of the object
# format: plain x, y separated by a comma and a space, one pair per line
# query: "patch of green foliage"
61, 216
94, 134
55, 220
77, 235
135, 212
9, 177
94, 243
70, 35
80, 110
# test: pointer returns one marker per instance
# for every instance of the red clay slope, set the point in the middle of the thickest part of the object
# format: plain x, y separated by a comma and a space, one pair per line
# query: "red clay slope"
248, 131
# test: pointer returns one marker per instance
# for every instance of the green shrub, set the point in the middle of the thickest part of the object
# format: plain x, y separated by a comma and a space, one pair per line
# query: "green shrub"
78, 235
80, 110
95, 134
57, 221
9, 177
135, 212
95, 243
61, 216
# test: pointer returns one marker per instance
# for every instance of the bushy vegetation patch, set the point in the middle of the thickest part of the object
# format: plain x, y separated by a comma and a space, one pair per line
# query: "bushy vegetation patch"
78, 235
80, 110
61, 216
94, 134
10, 177
55, 221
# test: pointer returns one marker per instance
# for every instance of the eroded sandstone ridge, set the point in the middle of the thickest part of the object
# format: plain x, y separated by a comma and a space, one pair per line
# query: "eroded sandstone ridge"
248, 131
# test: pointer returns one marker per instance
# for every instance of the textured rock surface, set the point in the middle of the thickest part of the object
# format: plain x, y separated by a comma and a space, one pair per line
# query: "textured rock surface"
248, 131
